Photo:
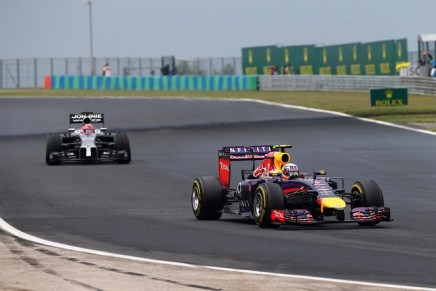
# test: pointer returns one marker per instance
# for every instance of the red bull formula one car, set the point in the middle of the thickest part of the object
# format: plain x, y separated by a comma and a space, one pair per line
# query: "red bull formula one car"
276, 193
86, 142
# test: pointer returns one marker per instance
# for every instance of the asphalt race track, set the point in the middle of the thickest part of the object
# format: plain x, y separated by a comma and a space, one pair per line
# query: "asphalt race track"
143, 208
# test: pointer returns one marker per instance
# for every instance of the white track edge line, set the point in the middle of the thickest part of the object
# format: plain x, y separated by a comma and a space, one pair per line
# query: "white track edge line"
15, 232
338, 114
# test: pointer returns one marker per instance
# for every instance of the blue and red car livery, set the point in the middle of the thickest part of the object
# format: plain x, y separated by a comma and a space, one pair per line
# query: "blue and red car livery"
269, 197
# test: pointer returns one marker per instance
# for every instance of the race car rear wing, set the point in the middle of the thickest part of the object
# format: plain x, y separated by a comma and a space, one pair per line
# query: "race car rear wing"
242, 153
256, 152
245, 152
86, 117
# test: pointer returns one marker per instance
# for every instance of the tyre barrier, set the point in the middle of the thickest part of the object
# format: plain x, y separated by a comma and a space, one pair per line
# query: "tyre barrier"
150, 83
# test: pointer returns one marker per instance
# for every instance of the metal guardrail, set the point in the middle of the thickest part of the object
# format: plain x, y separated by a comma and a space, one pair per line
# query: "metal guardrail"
419, 86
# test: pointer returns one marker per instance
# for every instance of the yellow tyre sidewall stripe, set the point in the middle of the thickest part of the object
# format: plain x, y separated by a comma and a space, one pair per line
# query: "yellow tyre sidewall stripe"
197, 185
262, 213
358, 188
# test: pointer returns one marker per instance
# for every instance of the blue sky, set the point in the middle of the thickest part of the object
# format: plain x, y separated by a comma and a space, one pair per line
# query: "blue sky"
202, 28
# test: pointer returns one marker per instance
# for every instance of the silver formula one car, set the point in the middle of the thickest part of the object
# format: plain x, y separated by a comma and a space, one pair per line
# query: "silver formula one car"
84, 142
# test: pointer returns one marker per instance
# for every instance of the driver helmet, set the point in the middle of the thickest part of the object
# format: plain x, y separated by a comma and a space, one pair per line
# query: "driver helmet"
291, 170
88, 129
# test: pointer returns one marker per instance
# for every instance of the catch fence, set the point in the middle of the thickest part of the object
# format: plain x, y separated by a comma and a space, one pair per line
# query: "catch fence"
29, 73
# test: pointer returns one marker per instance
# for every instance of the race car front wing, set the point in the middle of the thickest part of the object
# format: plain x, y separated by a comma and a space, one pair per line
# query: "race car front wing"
303, 216
371, 214
104, 156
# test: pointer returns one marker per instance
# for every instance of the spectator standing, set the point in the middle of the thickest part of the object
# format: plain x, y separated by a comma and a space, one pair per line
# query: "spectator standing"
425, 63
165, 70
106, 70
287, 69
433, 69
274, 70
426, 58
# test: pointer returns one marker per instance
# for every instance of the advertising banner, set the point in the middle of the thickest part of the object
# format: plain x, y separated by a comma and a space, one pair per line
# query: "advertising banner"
389, 97
375, 58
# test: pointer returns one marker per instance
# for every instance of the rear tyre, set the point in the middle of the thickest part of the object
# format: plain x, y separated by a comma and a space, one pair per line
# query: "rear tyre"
207, 199
123, 144
268, 196
53, 144
370, 195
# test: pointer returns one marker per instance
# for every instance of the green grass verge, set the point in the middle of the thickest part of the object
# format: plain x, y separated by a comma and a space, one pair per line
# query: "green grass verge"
421, 109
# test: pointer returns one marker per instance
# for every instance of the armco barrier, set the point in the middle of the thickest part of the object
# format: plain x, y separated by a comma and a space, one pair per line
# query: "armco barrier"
157, 83
419, 86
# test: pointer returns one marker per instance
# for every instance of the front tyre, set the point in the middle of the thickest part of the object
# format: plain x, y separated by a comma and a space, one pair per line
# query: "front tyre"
123, 144
268, 196
370, 194
207, 199
54, 142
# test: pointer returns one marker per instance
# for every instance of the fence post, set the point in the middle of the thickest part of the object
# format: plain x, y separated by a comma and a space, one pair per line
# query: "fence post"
118, 67
18, 73
80, 67
222, 66
35, 68
234, 66
51, 66
66, 66
210, 66
1, 74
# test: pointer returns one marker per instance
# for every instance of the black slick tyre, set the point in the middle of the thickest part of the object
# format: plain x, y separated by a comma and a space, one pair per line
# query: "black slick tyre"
53, 144
123, 144
268, 196
207, 199
369, 194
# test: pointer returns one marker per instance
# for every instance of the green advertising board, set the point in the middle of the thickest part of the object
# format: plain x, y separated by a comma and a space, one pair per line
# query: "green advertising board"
389, 97
326, 59
379, 58
338, 59
402, 55
374, 58
353, 58
258, 60
303, 59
